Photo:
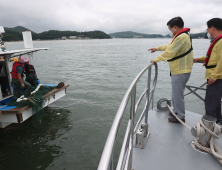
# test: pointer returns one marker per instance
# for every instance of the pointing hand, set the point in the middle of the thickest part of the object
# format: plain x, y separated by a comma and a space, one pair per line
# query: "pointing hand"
195, 60
152, 50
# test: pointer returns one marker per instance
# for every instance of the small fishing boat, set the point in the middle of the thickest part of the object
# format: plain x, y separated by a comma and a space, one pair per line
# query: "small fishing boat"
14, 114
151, 142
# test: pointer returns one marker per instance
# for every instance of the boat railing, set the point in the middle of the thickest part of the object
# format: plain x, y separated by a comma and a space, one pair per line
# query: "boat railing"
193, 89
125, 157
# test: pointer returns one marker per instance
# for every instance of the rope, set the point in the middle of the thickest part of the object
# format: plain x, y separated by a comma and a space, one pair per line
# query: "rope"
34, 99
179, 118
201, 131
209, 150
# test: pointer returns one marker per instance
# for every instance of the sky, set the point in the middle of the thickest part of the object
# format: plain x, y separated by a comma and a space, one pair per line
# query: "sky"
110, 16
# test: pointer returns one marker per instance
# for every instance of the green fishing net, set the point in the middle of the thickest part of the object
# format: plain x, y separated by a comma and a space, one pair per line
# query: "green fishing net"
36, 101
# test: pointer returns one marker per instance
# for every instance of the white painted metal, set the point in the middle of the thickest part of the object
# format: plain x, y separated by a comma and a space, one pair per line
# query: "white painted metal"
10, 118
22, 50
3, 124
2, 29
8, 70
27, 38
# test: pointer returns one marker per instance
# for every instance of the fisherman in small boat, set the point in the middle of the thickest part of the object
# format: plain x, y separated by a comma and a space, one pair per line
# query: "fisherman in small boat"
213, 64
31, 76
17, 78
179, 54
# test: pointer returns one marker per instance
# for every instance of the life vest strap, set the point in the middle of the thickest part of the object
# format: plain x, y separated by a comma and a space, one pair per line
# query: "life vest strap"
209, 53
212, 66
184, 54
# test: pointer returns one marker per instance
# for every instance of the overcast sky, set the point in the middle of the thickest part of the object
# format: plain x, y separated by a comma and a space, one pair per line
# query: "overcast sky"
143, 16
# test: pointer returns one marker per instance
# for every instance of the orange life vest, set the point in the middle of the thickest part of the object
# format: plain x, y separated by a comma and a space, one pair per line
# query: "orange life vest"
209, 52
184, 30
14, 71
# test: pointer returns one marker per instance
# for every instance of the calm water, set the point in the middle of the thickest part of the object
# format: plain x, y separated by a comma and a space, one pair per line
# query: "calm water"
99, 73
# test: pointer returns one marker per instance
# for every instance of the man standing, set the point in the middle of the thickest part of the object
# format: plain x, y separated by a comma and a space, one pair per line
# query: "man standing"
17, 74
213, 64
179, 54
31, 76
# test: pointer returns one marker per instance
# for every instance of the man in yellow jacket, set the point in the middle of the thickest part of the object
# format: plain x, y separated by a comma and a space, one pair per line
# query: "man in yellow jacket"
213, 64
179, 54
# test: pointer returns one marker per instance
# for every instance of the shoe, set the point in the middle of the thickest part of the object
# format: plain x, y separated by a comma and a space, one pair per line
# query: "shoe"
171, 114
174, 120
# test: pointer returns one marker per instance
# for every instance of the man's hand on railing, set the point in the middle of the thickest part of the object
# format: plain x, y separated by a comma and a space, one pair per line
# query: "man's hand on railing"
152, 50
195, 60
152, 61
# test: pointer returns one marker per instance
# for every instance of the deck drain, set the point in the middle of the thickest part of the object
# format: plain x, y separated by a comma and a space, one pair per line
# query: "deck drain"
196, 148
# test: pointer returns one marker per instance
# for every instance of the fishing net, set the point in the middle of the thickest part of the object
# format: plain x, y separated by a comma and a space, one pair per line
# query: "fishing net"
36, 101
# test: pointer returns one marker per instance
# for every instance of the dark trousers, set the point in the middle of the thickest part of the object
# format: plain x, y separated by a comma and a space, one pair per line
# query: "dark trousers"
213, 99
31, 79
17, 88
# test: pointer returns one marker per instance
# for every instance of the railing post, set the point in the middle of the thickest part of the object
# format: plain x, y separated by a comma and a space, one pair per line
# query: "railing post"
132, 117
142, 133
148, 95
106, 160
133, 103
111, 163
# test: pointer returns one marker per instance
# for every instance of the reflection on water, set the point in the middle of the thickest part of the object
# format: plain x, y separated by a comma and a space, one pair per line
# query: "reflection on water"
33, 145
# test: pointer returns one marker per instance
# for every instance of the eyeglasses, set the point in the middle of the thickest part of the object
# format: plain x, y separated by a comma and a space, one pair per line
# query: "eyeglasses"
207, 29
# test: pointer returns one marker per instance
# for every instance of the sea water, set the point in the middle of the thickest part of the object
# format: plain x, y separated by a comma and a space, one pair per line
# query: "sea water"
74, 129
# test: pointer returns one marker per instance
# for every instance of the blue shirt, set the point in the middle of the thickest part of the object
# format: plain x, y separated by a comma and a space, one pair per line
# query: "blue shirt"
19, 69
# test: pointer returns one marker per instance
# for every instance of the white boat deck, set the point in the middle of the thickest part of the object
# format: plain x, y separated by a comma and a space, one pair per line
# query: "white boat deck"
168, 146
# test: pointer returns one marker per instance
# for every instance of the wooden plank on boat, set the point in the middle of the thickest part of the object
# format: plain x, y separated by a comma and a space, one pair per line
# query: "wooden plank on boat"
19, 110
19, 117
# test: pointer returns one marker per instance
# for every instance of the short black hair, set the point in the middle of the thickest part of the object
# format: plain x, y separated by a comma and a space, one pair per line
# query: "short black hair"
216, 23
177, 21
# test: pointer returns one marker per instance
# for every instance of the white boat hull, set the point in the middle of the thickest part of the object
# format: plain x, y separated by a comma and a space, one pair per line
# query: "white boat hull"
7, 119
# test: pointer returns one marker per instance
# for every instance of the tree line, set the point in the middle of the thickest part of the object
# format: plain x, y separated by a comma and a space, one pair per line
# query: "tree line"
11, 35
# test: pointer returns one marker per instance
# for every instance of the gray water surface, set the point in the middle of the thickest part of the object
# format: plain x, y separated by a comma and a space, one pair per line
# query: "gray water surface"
99, 73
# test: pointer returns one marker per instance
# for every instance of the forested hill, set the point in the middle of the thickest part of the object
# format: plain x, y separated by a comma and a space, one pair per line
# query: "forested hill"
19, 29
15, 34
130, 34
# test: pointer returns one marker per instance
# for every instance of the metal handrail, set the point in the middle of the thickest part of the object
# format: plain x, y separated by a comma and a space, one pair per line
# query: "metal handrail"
106, 158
